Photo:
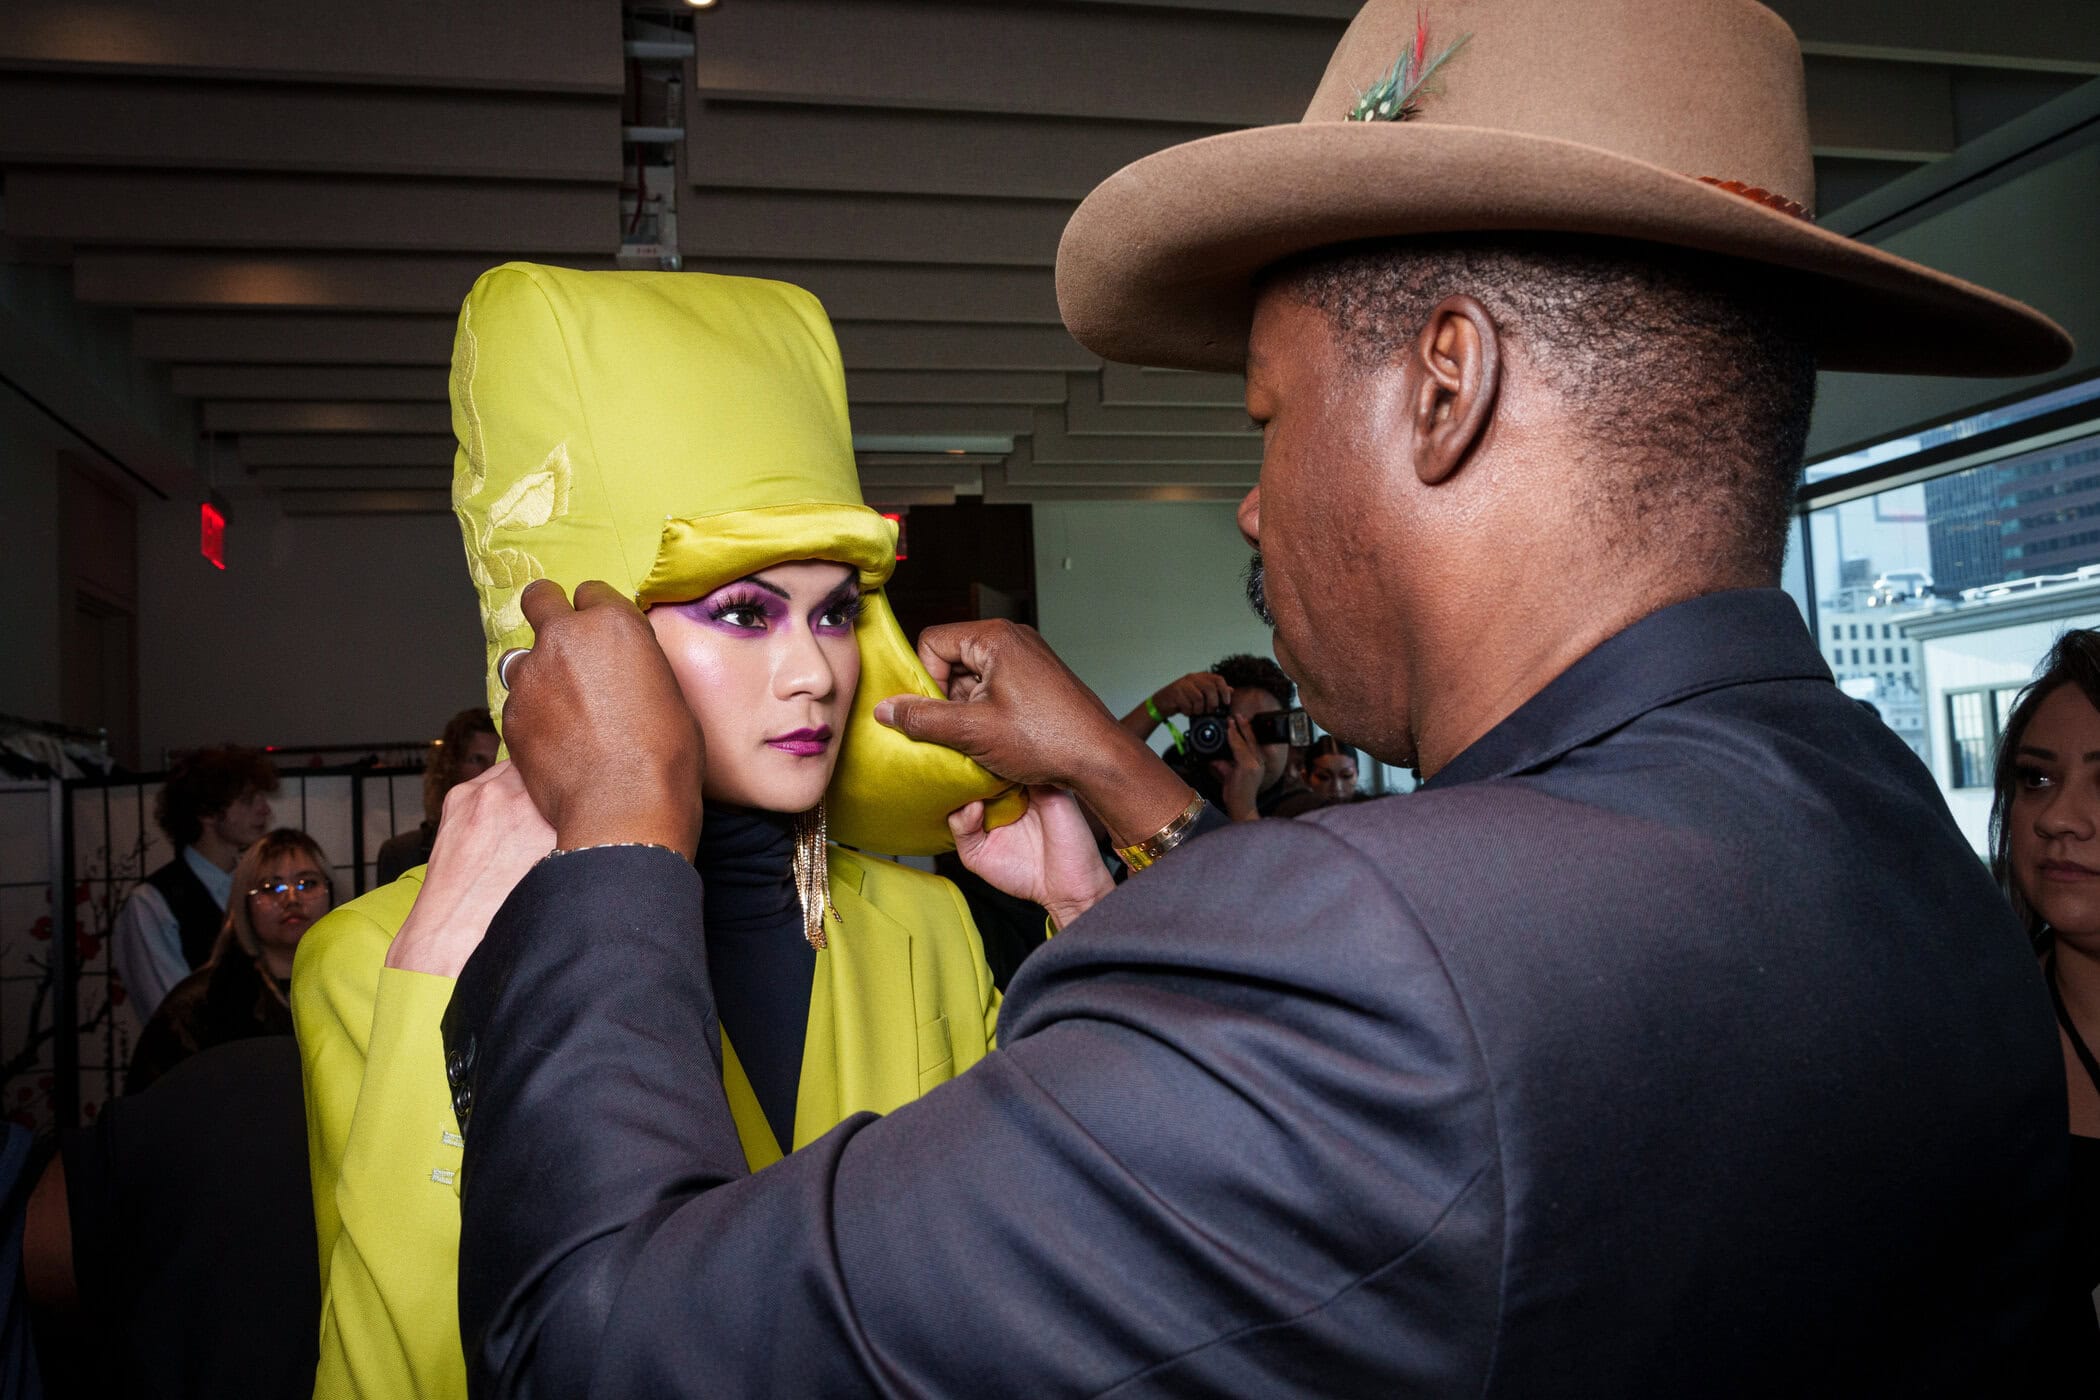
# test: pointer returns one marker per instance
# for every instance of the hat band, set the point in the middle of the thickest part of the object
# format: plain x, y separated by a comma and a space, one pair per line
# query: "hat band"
1758, 195
698, 555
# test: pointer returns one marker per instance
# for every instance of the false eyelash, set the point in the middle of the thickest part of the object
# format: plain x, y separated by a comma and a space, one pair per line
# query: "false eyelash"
850, 608
736, 602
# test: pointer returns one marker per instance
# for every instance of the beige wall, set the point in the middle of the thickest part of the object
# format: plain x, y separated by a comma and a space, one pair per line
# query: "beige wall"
322, 630
1134, 595
29, 614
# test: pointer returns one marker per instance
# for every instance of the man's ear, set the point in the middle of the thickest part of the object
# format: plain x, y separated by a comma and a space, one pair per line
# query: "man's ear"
1458, 369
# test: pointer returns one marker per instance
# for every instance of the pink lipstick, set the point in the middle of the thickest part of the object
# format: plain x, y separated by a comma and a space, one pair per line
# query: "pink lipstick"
803, 743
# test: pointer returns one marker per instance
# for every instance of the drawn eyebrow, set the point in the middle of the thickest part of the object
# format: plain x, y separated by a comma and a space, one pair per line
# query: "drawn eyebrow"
2049, 755
773, 588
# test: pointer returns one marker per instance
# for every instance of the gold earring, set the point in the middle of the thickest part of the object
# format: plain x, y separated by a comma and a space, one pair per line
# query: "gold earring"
813, 874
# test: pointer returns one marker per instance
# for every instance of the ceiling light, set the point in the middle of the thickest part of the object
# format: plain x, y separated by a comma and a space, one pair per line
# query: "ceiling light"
700, 4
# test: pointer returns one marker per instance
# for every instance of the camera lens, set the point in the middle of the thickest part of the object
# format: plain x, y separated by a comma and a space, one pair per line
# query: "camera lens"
1207, 735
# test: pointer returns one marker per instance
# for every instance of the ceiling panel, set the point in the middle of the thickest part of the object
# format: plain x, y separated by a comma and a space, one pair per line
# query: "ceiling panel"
180, 209
531, 45
290, 203
145, 123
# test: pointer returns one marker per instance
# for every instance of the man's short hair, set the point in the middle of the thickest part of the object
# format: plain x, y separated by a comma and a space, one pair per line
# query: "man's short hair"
1690, 371
205, 782
1245, 671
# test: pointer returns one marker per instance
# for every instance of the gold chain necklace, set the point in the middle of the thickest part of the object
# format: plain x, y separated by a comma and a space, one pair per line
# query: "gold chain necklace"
813, 875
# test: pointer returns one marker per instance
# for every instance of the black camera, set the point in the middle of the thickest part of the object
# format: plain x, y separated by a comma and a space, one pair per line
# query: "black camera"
1209, 735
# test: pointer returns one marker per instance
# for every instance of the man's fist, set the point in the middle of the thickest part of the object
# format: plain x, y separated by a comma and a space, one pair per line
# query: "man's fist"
597, 727
1019, 711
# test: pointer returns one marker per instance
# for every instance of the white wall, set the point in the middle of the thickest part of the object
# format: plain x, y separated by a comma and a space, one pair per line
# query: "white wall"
1133, 595
321, 630
1997, 656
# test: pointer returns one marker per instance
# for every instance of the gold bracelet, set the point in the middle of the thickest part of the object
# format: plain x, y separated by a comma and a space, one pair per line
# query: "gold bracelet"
609, 846
1149, 850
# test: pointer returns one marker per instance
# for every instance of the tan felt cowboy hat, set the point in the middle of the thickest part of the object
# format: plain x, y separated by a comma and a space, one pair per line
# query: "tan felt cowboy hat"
1673, 121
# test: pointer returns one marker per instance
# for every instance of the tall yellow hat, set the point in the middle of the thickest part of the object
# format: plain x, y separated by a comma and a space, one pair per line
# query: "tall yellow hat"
670, 432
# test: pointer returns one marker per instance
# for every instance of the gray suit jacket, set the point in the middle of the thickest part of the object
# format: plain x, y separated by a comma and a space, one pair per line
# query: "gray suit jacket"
1671, 1042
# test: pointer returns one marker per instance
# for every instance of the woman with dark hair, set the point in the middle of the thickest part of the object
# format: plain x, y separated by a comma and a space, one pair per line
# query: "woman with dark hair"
2045, 851
280, 888
467, 750
1330, 770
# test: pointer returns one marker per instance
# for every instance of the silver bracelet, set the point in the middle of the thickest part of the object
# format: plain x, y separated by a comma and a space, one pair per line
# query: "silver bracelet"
611, 846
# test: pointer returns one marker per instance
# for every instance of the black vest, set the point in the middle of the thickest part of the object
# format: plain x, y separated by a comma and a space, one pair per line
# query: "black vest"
193, 907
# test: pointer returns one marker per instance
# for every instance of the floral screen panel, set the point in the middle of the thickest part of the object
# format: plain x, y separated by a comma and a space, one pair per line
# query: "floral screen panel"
115, 844
26, 930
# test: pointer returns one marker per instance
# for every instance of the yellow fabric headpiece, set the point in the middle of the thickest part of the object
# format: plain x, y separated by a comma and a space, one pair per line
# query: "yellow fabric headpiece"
670, 432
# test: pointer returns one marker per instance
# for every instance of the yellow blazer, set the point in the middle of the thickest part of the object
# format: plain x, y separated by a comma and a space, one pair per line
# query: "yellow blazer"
902, 1000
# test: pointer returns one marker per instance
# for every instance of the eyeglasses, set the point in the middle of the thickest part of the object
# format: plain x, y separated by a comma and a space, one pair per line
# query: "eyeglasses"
278, 889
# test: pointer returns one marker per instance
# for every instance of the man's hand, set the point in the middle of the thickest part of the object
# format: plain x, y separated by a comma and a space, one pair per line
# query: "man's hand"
1048, 857
490, 836
1197, 693
1239, 777
1016, 709
597, 726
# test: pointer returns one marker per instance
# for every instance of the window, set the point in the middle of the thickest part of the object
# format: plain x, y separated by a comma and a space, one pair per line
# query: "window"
2005, 696
1968, 547
1975, 719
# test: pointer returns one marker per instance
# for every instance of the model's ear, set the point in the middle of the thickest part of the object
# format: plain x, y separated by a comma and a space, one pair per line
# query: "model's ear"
1457, 369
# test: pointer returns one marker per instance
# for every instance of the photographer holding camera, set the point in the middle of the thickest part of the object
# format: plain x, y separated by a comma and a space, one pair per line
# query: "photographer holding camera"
1236, 750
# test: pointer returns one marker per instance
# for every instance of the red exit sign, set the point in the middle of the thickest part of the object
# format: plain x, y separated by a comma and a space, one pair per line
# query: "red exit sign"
212, 537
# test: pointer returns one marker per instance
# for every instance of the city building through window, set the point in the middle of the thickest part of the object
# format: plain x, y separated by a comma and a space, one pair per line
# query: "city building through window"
1973, 545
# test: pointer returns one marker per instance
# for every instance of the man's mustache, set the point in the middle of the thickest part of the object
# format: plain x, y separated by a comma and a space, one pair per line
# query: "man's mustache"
1257, 591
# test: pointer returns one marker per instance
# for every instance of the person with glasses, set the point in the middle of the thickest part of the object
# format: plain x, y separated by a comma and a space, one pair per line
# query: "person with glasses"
281, 886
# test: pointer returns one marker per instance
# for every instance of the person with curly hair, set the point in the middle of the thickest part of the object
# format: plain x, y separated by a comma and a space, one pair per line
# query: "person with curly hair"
215, 804
1257, 779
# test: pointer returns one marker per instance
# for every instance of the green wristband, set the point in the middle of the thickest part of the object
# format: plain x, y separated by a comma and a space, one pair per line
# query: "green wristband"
1180, 746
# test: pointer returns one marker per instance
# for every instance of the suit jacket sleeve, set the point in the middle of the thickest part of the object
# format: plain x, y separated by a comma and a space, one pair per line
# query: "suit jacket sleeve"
1237, 1141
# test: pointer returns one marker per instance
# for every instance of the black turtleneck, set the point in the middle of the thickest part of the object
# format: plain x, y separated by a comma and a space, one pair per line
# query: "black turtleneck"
757, 958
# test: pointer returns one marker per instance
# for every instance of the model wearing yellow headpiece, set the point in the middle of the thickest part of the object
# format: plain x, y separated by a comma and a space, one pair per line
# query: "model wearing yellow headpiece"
668, 433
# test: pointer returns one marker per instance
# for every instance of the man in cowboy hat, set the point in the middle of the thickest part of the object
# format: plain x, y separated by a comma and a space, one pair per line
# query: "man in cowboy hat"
1670, 1042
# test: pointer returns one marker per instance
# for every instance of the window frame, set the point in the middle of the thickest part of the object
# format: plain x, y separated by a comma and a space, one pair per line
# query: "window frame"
1997, 701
